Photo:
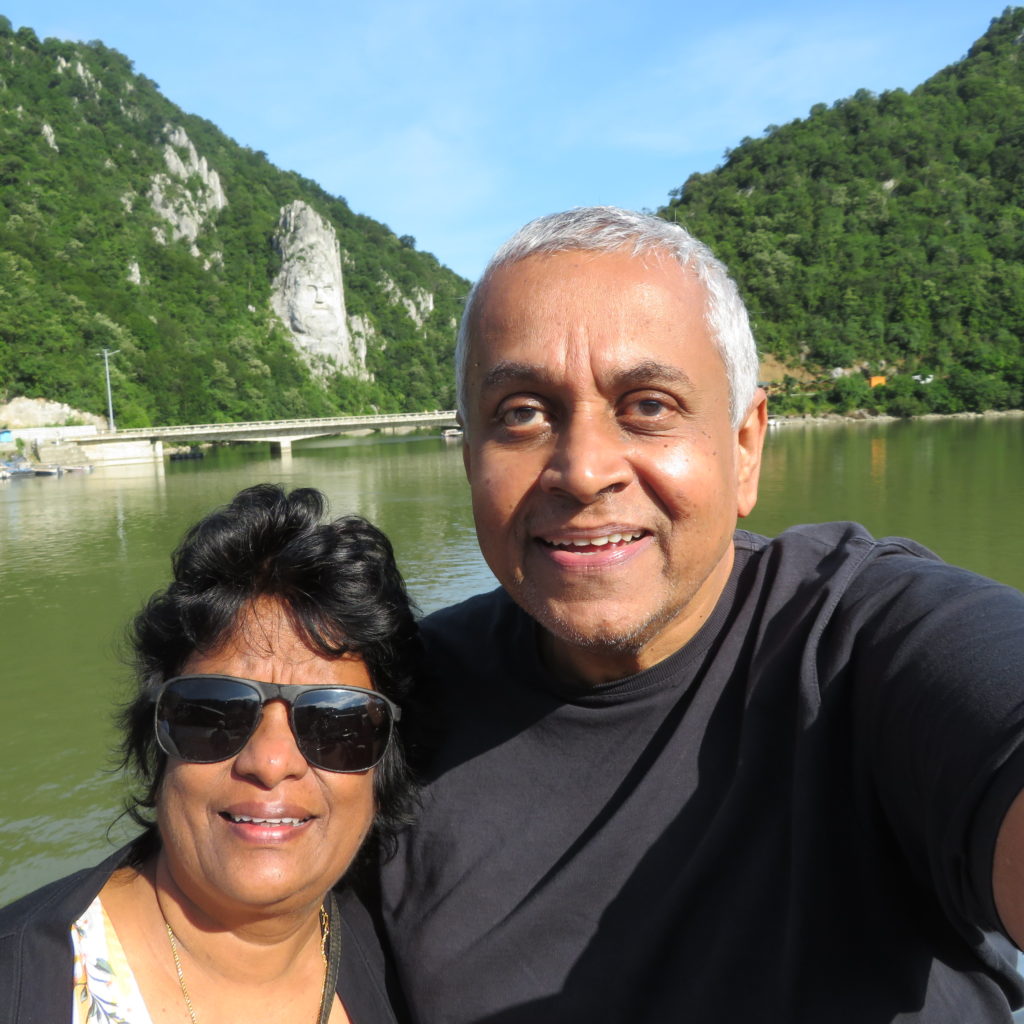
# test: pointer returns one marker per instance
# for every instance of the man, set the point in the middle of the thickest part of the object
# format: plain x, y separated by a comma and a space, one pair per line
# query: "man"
686, 773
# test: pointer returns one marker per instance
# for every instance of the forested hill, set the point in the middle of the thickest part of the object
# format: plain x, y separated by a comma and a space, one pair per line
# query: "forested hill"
228, 288
886, 233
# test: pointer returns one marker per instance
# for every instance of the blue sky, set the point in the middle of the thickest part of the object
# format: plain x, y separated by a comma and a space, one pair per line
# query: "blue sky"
457, 121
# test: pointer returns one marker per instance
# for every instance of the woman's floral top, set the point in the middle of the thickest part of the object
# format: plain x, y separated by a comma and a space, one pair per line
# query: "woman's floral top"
105, 991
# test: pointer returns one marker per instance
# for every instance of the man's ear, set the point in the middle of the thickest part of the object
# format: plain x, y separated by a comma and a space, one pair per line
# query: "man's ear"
749, 445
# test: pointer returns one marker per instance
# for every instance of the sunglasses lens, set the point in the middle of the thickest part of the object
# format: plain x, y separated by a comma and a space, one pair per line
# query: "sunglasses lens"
206, 720
340, 730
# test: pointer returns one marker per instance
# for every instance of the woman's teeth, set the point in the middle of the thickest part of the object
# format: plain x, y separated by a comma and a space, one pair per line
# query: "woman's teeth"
246, 820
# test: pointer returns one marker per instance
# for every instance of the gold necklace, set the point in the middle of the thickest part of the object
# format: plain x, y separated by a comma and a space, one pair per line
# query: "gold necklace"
325, 931
181, 973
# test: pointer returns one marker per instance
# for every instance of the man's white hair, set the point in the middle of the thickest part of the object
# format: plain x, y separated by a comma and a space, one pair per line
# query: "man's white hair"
609, 229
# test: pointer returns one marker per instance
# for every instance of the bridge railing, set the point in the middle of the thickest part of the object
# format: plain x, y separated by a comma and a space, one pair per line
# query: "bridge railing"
377, 419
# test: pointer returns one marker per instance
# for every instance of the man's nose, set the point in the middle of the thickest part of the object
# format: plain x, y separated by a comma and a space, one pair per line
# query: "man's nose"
589, 457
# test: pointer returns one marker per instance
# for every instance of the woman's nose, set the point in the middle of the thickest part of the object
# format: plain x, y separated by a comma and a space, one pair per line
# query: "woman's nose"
271, 755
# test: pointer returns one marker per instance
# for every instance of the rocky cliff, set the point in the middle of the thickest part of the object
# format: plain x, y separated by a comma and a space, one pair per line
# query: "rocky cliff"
227, 288
189, 195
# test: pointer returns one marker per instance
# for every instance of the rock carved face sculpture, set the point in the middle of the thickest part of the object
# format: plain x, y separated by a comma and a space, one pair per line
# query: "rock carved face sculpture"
308, 293
319, 308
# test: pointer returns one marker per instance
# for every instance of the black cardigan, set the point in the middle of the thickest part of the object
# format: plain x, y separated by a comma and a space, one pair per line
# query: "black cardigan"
36, 954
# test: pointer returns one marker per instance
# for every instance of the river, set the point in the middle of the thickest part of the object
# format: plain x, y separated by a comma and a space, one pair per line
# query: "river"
78, 554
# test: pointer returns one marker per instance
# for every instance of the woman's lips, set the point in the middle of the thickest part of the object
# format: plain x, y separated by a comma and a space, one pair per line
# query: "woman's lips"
267, 824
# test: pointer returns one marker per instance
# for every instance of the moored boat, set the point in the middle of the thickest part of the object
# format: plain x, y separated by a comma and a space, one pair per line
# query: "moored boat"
18, 467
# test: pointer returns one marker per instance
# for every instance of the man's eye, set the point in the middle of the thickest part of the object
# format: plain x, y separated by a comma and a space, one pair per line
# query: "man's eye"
520, 416
650, 407
649, 412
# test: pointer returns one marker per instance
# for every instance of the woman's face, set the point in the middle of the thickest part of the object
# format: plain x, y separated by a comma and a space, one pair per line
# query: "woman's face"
264, 830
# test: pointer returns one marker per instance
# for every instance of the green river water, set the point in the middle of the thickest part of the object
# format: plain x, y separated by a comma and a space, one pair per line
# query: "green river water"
79, 553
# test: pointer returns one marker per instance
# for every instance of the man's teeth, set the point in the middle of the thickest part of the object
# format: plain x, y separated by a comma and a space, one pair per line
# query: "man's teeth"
266, 821
597, 542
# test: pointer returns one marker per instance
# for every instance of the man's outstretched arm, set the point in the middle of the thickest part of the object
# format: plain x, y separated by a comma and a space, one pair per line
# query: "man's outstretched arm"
1008, 871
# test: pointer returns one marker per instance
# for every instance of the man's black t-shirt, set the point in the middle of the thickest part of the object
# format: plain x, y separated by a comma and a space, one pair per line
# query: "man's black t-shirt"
791, 819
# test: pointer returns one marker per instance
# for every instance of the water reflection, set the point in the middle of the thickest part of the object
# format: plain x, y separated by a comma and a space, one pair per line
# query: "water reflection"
953, 485
79, 553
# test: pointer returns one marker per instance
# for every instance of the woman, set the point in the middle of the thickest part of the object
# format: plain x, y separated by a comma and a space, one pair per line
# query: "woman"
269, 674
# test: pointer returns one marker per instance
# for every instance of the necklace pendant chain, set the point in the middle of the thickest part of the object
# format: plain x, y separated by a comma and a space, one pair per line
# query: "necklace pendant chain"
181, 973
325, 931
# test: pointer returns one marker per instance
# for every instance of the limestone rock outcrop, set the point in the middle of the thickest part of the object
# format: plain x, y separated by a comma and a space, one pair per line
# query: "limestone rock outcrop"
419, 305
308, 293
82, 71
190, 193
361, 331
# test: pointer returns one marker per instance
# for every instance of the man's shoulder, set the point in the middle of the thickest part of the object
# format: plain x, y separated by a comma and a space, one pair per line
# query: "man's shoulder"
841, 569
836, 552
481, 637
482, 613
813, 541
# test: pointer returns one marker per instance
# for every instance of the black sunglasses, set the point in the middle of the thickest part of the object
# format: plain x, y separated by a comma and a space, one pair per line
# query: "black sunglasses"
209, 718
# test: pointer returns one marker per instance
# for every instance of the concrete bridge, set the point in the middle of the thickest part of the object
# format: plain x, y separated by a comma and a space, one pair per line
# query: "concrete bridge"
143, 444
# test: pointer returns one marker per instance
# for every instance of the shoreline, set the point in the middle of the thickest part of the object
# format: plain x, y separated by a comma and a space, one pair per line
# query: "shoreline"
835, 418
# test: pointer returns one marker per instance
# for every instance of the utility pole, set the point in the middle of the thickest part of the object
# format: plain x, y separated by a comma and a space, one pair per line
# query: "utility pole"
110, 402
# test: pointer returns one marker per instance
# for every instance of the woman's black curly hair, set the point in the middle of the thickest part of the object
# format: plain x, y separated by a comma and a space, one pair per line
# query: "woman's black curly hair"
341, 590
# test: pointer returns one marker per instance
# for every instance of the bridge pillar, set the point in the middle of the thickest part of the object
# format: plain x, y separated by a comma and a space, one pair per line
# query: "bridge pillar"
282, 447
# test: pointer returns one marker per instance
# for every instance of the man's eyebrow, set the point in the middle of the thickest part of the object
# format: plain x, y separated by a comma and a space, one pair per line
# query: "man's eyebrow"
651, 373
509, 372
648, 373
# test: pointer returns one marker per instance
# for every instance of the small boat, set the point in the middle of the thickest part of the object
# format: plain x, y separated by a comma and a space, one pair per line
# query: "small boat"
47, 470
19, 467
452, 433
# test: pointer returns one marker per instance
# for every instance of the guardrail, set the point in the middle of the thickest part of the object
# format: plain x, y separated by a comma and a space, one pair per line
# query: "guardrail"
317, 423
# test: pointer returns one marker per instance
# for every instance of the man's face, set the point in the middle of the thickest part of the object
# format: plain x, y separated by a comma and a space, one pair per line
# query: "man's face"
606, 478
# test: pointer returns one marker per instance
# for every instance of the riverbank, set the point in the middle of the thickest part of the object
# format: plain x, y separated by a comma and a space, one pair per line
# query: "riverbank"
861, 416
